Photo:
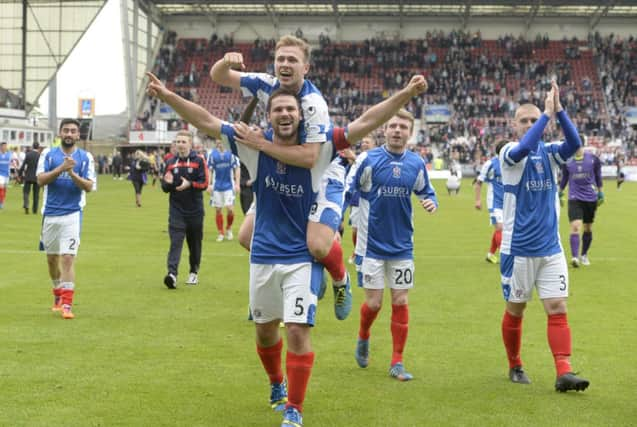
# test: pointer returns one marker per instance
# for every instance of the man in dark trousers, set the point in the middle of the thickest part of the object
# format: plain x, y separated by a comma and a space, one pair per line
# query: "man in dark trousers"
27, 172
186, 177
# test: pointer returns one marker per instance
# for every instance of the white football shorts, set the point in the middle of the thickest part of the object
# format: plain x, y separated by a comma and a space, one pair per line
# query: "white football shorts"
285, 292
328, 206
61, 234
520, 275
221, 199
495, 216
398, 274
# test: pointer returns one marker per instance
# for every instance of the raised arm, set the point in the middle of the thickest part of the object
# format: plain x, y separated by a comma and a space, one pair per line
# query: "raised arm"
385, 110
224, 73
532, 137
194, 114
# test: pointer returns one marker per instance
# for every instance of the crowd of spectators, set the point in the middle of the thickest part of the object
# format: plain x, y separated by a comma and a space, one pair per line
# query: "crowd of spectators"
482, 90
616, 59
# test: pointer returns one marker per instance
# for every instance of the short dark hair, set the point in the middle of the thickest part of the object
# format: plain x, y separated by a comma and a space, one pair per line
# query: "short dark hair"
283, 92
499, 146
36, 145
65, 122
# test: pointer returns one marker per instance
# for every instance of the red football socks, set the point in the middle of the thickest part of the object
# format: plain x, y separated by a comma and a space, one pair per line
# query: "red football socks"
230, 218
512, 338
271, 361
299, 369
496, 239
67, 296
367, 319
559, 336
219, 219
399, 329
333, 262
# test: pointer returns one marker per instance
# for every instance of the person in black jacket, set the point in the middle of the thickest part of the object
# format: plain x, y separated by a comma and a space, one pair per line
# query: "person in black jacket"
30, 181
186, 177
137, 174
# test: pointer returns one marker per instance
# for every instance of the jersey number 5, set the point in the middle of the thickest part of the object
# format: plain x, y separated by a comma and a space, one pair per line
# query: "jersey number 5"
298, 307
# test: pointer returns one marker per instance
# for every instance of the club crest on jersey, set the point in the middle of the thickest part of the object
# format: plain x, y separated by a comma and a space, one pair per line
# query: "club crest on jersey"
539, 167
281, 168
189, 170
395, 172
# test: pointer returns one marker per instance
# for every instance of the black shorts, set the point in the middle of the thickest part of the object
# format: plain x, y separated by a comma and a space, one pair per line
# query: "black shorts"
138, 186
585, 211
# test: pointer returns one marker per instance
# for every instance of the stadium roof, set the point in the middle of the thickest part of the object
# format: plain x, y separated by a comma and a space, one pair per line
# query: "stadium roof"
402, 8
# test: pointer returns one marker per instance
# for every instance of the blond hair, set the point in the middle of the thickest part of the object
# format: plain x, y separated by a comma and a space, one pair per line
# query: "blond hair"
140, 155
184, 133
290, 40
404, 114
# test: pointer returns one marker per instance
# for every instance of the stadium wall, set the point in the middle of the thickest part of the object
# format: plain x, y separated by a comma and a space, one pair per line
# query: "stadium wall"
244, 29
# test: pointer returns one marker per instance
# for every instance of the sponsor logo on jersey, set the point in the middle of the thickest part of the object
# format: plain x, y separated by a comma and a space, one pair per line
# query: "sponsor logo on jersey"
393, 191
539, 185
281, 168
284, 189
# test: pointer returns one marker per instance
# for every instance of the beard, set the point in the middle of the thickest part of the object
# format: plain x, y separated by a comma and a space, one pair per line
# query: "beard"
68, 142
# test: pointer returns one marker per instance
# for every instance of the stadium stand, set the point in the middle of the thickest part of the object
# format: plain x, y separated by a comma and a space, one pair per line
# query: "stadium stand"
482, 81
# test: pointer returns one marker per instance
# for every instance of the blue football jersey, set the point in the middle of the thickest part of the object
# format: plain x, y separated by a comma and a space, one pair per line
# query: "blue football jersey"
315, 124
62, 196
386, 181
531, 206
5, 163
284, 196
223, 166
491, 173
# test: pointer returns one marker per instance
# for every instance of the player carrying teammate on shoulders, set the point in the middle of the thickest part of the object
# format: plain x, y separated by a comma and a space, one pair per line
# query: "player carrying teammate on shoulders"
284, 282
291, 65
531, 252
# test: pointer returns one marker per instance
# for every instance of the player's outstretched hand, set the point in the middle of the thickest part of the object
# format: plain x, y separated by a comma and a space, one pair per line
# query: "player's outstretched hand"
478, 204
155, 87
250, 136
234, 60
417, 85
185, 184
549, 103
428, 205
556, 90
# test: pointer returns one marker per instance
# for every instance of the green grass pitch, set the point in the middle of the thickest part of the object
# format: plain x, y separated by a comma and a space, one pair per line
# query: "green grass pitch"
138, 354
